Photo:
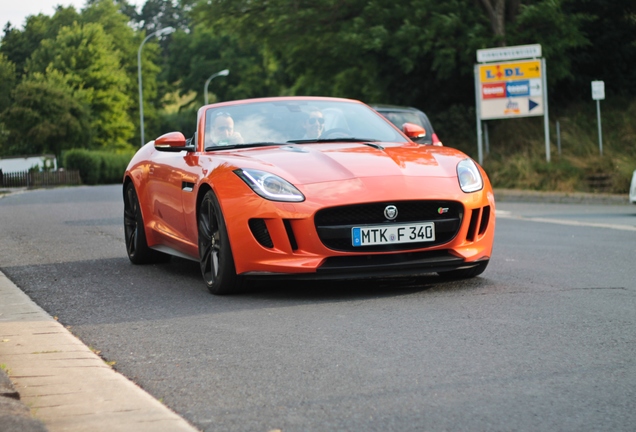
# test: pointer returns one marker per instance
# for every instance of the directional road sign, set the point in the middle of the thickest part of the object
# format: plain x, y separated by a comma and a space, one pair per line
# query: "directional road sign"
511, 89
598, 90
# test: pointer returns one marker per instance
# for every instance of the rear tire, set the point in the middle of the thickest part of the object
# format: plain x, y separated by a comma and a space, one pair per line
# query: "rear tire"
215, 252
465, 273
136, 244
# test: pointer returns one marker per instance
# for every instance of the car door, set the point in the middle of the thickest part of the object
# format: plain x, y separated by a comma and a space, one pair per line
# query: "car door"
165, 188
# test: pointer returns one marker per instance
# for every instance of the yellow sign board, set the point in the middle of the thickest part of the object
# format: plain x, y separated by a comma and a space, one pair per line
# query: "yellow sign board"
510, 89
510, 71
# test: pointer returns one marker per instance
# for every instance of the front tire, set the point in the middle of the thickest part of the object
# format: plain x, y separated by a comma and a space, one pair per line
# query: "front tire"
215, 252
136, 244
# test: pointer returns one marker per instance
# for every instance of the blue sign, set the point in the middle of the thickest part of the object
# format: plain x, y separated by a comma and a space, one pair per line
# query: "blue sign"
518, 88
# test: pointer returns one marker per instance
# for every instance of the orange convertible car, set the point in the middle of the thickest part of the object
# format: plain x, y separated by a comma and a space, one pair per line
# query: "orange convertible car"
306, 187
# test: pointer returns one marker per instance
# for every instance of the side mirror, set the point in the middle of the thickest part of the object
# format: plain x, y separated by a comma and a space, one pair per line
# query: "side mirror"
413, 131
172, 142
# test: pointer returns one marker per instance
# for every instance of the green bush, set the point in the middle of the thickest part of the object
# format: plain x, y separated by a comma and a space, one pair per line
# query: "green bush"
97, 167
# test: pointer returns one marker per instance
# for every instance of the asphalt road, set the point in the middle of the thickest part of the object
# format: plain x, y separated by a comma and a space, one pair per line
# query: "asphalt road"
545, 339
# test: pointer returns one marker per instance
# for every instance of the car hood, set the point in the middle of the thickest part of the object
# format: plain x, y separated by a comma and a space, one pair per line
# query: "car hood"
320, 162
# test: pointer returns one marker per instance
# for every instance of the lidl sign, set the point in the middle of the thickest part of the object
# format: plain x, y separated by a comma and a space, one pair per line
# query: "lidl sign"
511, 89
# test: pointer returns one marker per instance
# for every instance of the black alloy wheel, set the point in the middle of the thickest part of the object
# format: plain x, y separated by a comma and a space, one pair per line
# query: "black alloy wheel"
136, 244
215, 253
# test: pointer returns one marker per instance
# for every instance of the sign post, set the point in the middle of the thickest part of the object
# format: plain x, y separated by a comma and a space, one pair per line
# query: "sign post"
598, 94
510, 82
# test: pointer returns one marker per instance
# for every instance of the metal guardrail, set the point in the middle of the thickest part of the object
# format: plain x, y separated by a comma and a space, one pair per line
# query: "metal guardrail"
32, 179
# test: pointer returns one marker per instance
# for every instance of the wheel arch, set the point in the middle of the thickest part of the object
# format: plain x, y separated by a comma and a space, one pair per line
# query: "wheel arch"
127, 181
203, 189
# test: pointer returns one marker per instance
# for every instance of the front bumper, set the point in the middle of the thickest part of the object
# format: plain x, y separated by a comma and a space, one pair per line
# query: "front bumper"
273, 239
378, 266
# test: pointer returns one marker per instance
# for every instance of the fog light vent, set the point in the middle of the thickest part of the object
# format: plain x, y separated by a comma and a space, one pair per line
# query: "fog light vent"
472, 228
260, 232
485, 217
290, 234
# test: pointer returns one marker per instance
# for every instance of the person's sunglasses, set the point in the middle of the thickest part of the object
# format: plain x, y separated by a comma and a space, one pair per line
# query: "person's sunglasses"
314, 120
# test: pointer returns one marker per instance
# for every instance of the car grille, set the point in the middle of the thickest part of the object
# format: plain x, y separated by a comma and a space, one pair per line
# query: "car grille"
334, 224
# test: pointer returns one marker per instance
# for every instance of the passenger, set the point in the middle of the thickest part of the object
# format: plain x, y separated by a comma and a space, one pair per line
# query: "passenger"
223, 130
314, 124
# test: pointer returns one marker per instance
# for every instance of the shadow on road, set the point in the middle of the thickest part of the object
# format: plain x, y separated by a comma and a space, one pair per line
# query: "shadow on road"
113, 290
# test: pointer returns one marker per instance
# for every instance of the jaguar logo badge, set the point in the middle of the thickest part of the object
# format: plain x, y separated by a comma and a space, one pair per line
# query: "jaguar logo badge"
390, 212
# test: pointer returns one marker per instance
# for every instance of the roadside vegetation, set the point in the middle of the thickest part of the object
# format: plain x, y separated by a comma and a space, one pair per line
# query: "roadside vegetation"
517, 156
69, 81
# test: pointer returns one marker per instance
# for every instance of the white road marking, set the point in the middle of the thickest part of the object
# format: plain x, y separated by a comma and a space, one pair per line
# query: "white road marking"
503, 214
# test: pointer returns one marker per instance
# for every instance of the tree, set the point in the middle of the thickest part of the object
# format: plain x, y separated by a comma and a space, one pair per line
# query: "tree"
47, 116
126, 42
610, 55
374, 50
158, 14
18, 45
400, 52
498, 12
84, 55
194, 57
7, 81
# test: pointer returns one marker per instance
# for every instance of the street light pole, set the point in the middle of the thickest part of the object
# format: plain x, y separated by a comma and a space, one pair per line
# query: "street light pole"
224, 72
164, 31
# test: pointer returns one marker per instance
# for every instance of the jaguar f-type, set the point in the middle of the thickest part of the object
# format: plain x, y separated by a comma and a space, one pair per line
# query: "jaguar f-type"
306, 188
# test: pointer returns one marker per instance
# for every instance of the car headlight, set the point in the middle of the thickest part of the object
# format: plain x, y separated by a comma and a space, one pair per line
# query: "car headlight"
270, 186
469, 177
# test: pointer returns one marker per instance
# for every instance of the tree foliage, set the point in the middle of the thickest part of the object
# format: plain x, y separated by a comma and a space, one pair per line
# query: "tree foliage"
125, 41
413, 52
84, 55
46, 117
196, 56
402, 52
7, 81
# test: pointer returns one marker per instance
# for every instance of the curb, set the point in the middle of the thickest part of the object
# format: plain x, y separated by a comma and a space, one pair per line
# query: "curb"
66, 385
528, 196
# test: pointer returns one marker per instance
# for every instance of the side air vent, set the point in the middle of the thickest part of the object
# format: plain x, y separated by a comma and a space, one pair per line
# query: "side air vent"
485, 217
472, 228
290, 234
260, 232
479, 219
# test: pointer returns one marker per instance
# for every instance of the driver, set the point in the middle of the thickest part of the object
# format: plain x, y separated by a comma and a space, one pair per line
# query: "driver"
314, 124
223, 130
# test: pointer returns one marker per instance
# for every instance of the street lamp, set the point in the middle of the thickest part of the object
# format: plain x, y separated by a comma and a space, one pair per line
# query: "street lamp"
224, 72
164, 31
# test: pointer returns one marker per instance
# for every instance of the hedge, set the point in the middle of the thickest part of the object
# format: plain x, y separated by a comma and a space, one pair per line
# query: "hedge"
97, 167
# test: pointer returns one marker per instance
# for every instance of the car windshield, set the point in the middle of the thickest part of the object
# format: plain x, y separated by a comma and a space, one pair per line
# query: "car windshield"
399, 117
295, 121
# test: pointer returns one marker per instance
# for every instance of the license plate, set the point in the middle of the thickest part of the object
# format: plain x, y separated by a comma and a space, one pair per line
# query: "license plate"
391, 234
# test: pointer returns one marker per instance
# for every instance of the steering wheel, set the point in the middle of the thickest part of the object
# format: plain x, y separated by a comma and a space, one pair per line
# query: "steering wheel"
336, 133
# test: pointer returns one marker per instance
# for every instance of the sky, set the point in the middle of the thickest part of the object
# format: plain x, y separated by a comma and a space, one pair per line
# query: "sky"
16, 11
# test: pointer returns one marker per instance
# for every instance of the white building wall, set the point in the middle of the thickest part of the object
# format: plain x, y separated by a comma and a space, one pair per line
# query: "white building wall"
17, 164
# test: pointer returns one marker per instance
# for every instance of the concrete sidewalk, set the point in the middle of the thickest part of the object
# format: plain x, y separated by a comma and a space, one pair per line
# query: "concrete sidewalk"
65, 385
